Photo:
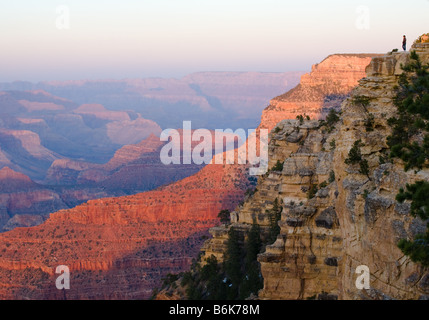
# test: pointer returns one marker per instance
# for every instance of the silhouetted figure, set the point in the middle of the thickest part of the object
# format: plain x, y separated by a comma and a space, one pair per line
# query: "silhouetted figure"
404, 43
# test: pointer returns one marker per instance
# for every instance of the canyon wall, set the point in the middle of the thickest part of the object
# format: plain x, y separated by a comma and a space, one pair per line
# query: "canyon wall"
325, 87
335, 218
118, 248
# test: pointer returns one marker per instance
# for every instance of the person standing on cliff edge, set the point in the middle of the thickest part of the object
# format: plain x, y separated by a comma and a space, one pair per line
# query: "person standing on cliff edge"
404, 43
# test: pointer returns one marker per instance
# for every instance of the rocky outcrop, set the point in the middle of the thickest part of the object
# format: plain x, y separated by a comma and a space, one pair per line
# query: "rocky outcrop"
133, 152
32, 106
66, 171
133, 168
71, 172
325, 87
121, 129
14, 180
335, 218
99, 111
22, 151
24, 203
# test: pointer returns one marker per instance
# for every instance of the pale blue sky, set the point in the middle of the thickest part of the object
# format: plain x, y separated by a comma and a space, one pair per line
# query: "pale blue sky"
171, 38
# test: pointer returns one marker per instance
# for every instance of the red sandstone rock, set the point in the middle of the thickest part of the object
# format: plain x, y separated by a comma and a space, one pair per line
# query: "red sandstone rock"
325, 87
129, 243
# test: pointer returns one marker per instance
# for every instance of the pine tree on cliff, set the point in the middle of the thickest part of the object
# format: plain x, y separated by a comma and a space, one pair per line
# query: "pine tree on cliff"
408, 128
275, 215
412, 101
417, 249
252, 281
233, 266
212, 274
224, 216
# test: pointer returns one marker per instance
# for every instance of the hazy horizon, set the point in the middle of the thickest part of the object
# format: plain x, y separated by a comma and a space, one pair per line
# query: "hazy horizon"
77, 40
165, 77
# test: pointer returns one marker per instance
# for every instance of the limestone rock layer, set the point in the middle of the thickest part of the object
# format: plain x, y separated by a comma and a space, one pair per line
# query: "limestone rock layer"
334, 218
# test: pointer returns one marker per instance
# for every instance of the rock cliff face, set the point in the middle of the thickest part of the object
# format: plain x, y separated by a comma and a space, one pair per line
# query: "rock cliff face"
23, 152
119, 248
66, 171
133, 168
334, 218
24, 202
325, 87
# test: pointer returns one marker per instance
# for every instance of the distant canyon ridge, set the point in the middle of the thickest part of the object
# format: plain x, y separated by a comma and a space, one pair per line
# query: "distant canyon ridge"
64, 143
209, 99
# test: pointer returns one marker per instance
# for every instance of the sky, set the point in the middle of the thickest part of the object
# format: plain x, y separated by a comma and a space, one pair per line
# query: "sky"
106, 39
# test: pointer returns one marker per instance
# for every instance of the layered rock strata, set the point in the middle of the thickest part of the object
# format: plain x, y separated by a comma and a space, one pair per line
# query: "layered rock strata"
325, 87
336, 219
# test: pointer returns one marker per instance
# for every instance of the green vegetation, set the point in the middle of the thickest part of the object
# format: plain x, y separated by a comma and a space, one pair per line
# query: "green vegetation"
278, 166
237, 278
364, 168
369, 123
409, 142
275, 215
418, 249
418, 194
365, 194
333, 144
312, 191
224, 216
362, 101
250, 192
355, 157
253, 180
232, 264
331, 176
252, 281
410, 138
204, 283
170, 279
301, 118
331, 119
324, 184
